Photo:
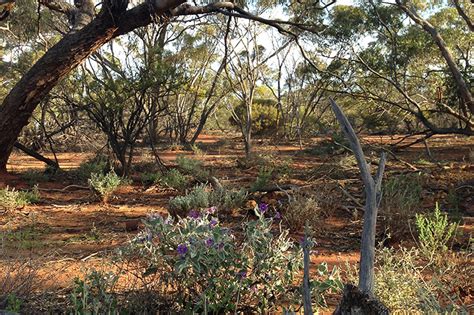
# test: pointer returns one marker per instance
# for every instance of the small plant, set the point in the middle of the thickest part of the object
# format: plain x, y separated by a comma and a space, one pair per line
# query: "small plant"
401, 197
192, 167
105, 185
434, 233
303, 209
228, 199
197, 198
98, 165
93, 294
263, 178
12, 198
149, 179
174, 179
33, 177
13, 303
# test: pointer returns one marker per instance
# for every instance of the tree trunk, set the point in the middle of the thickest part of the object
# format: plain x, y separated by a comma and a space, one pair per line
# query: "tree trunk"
60, 60
465, 93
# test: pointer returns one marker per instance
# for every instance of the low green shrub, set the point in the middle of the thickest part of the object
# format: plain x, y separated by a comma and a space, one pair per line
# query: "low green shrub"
192, 167
98, 165
94, 295
401, 198
263, 178
105, 185
33, 177
202, 196
12, 198
434, 234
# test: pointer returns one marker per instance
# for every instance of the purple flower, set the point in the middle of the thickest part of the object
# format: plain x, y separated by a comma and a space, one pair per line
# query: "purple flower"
220, 246
209, 242
212, 210
194, 214
242, 274
149, 236
212, 223
277, 216
263, 207
182, 249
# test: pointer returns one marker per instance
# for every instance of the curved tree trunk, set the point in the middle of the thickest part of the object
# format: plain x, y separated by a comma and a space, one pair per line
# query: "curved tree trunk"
463, 88
61, 59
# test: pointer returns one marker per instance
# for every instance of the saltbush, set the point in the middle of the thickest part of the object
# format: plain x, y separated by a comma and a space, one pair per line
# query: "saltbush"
202, 196
98, 165
105, 185
12, 198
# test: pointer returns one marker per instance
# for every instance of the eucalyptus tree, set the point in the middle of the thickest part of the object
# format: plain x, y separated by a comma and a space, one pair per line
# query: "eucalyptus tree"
105, 21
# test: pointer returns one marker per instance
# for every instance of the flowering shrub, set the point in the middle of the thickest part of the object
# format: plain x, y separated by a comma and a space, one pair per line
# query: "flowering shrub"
203, 197
209, 269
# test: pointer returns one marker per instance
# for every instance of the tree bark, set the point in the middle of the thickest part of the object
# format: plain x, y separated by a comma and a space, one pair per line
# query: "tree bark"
61, 59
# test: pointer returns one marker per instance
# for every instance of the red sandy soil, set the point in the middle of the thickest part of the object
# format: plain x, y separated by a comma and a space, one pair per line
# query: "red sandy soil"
74, 232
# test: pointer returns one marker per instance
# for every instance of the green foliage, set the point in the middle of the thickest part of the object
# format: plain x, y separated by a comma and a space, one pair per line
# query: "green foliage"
302, 210
434, 233
33, 177
401, 197
263, 178
105, 185
192, 167
172, 178
197, 198
226, 199
325, 281
23, 238
12, 198
405, 284
210, 269
13, 303
98, 165
93, 294
264, 116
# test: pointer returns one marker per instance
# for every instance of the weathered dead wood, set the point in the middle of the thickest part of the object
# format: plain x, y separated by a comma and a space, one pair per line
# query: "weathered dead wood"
373, 196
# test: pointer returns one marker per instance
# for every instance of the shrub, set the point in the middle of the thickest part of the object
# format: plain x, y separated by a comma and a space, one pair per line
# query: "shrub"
98, 165
197, 198
173, 179
192, 167
302, 209
18, 282
33, 177
434, 233
12, 199
93, 294
105, 185
263, 177
208, 269
228, 199
149, 179
400, 198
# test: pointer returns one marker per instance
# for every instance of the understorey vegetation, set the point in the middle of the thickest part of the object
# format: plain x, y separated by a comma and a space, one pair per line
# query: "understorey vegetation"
246, 157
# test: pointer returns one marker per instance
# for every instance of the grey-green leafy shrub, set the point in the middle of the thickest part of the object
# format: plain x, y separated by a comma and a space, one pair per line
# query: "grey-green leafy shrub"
207, 268
105, 184
197, 198
12, 198
400, 200
192, 167
434, 233
94, 295
202, 196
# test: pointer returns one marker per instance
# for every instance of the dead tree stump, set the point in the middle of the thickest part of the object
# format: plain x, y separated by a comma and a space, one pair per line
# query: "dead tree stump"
355, 302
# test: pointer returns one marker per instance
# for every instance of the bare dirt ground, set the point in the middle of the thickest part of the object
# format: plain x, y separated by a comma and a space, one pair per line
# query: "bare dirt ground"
70, 231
